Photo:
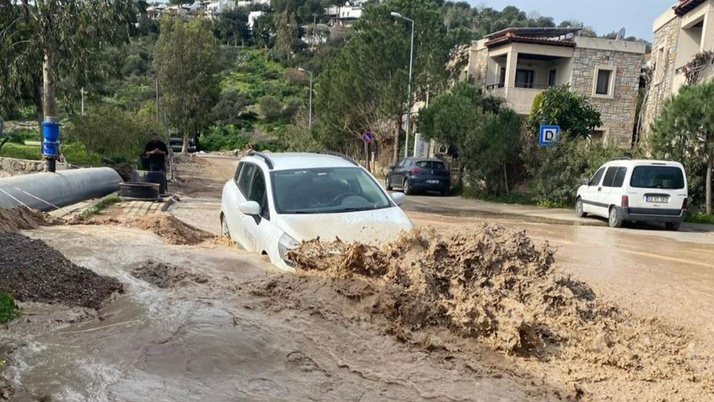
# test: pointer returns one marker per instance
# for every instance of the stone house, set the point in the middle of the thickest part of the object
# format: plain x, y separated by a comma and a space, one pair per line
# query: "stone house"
519, 63
679, 34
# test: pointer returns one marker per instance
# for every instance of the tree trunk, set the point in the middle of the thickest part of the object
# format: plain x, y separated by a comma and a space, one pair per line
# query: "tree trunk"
396, 140
708, 187
49, 103
184, 146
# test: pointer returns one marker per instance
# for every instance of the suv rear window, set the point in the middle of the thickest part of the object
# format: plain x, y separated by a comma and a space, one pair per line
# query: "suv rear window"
430, 165
663, 177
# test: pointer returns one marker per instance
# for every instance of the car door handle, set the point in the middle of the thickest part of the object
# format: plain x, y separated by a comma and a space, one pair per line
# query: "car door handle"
599, 189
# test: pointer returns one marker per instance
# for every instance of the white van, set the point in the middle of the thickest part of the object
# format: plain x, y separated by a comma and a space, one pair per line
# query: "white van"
636, 190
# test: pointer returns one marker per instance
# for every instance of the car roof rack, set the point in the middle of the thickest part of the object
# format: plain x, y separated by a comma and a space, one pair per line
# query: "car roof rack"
343, 156
267, 160
622, 158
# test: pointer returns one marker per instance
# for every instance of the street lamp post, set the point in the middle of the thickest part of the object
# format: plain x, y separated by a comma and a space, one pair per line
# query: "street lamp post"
309, 119
409, 87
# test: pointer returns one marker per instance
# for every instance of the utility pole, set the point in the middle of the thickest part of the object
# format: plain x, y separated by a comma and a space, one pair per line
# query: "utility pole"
158, 119
82, 91
409, 87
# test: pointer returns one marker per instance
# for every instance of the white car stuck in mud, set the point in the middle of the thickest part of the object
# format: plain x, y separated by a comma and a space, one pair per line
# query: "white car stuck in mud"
276, 201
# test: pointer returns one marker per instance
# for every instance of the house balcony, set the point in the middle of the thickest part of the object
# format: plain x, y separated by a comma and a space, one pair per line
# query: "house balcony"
520, 99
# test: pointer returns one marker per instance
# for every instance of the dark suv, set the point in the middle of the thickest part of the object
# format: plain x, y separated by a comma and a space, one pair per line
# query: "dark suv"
419, 174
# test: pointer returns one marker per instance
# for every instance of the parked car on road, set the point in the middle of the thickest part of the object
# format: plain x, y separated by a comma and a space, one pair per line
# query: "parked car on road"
625, 190
419, 174
276, 201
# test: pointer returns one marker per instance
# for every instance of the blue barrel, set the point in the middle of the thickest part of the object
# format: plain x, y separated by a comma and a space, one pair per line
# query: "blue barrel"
50, 138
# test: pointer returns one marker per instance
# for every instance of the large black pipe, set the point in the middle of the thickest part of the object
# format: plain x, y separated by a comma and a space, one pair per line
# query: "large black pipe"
46, 191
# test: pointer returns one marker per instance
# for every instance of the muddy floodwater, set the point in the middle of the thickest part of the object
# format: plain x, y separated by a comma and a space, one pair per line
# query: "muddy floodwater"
213, 341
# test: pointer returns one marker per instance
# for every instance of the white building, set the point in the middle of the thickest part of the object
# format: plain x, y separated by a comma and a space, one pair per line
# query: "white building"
253, 16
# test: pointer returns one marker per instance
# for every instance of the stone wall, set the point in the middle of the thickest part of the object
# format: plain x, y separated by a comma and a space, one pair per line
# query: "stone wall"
660, 89
15, 167
618, 112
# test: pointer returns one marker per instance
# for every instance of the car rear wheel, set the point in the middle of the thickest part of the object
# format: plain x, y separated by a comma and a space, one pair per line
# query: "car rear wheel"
615, 221
673, 226
579, 208
407, 188
386, 184
225, 232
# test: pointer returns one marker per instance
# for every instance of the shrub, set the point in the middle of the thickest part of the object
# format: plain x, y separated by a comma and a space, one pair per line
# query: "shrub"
558, 171
8, 308
222, 138
271, 108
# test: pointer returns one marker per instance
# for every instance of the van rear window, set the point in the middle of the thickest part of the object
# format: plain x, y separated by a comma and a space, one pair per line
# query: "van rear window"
663, 177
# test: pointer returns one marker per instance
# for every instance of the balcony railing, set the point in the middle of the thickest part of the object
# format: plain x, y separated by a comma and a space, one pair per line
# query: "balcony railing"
519, 85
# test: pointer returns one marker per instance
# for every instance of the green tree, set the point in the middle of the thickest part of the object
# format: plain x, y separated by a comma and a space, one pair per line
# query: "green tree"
571, 111
684, 131
366, 84
44, 40
231, 27
487, 136
186, 60
112, 132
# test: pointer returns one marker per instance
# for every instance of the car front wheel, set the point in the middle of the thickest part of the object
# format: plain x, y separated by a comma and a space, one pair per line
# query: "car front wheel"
614, 220
386, 184
225, 232
579, 208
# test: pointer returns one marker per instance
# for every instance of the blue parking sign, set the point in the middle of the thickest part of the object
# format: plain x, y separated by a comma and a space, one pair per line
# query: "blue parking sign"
548, 135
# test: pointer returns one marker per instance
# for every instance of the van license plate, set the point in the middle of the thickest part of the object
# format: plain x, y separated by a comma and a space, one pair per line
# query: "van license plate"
432, 182
657, 199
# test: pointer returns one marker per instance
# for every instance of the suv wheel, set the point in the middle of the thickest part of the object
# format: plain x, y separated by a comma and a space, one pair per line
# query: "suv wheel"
407, 188
579, 208
615, 221
673, 226
386, 184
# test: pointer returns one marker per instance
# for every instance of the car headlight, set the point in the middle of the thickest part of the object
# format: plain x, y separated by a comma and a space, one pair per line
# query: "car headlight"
285, 244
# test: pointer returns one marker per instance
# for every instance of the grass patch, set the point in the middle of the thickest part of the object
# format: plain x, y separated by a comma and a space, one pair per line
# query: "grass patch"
74, 153
103, 204
700, 217
21, 151
8, 308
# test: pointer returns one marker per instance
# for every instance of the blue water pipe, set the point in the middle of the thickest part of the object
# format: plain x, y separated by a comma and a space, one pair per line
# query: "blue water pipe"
50, 142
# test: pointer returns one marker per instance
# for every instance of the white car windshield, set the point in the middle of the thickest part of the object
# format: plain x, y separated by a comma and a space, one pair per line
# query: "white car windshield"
326, 190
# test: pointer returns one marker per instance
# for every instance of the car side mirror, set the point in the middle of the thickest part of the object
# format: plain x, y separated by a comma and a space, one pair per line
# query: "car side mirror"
249, 208
391, 167
586, 181
398, 198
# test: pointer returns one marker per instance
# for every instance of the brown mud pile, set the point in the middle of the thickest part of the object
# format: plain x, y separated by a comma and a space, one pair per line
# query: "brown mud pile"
32, 271
496, 286
171, 229
23, 218
166, 275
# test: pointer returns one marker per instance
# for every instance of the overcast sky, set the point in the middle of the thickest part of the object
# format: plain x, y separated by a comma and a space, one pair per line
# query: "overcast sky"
605, 16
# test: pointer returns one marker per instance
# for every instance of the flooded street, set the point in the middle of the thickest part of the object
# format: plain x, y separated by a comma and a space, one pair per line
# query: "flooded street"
212, 334
211, 341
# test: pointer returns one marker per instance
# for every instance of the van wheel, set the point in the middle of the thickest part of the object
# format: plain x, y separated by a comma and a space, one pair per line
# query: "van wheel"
579, 208
673, 226
407, 189
614, 220
386, 184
